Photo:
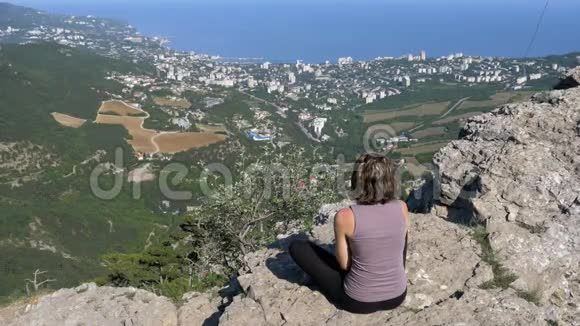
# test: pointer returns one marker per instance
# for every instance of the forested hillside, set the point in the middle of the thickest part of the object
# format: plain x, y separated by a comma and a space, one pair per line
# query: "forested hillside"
50, 220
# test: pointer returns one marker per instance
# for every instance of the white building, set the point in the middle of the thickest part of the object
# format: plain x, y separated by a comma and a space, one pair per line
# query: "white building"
423, 55
445, 69
266, 65
303, 116
318, 124
521, 80
345, 61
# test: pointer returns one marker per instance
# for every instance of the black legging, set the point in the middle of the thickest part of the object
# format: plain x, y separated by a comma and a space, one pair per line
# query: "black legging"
329, 277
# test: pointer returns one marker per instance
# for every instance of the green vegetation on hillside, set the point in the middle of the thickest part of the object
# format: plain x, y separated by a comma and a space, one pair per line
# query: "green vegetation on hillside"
52, 222
208, 248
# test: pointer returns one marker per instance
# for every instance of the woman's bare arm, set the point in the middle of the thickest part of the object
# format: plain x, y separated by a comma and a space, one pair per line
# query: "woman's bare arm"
406, 215
343, 229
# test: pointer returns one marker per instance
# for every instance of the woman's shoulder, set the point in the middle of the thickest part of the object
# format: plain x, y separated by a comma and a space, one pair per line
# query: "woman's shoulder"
344, 214
344, 219
403, 204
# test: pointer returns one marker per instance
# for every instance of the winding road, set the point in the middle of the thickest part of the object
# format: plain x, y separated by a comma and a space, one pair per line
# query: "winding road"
455, 106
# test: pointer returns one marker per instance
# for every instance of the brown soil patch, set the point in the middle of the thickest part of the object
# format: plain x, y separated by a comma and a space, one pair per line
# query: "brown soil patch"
211, 128
141, 139
421, 110
173, 102
67, 120
151, 141
179, 142
119, 107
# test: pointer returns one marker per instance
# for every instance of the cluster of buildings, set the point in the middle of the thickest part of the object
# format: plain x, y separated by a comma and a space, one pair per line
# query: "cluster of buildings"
308, 93
393, 142
103, 36
316, 91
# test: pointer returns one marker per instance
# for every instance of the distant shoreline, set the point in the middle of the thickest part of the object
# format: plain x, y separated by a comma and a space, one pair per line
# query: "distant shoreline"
288, 33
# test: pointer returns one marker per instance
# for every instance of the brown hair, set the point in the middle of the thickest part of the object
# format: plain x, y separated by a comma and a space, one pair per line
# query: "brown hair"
373, 179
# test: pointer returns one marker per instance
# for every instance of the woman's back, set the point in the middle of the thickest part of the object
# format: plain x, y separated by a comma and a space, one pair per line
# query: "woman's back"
377, 271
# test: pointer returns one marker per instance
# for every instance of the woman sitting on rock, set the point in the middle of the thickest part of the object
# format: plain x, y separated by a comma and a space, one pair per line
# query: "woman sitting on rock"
368, 272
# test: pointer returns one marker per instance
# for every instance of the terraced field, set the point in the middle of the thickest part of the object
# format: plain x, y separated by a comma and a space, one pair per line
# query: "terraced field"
422, 148
496, 100
426, 109
429, 132
152, 141
455, 118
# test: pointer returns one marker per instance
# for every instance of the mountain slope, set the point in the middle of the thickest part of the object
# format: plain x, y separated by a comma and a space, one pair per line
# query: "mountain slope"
501, 171
49, 218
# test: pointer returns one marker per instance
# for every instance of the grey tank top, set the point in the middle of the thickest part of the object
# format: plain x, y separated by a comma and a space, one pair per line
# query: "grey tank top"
377, 272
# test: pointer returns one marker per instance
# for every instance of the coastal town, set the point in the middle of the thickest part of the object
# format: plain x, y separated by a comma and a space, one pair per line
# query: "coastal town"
313, 97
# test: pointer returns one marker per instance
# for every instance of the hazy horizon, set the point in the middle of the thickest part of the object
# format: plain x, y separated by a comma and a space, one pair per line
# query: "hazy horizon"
290, 30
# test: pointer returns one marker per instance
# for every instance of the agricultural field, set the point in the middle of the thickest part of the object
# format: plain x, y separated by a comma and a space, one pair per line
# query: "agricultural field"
496, 100
67, 120
172, 102
141, 138
424, 109
456, 118
153, 141
433, 115
429, 132
421, 148
119, 108
183, 141
402, 126
212, 128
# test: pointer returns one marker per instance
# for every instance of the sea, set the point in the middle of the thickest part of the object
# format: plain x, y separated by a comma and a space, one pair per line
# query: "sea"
319, 30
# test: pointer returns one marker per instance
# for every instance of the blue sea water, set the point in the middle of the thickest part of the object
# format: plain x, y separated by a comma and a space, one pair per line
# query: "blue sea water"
317, 31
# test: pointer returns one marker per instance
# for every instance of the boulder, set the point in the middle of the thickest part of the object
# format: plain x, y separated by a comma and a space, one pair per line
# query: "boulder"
92, 305
445, 272
517, 169
571, 80
199, 309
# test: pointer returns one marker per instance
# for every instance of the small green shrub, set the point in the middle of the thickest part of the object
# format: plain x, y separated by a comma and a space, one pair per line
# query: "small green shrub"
532, 296
502, 277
